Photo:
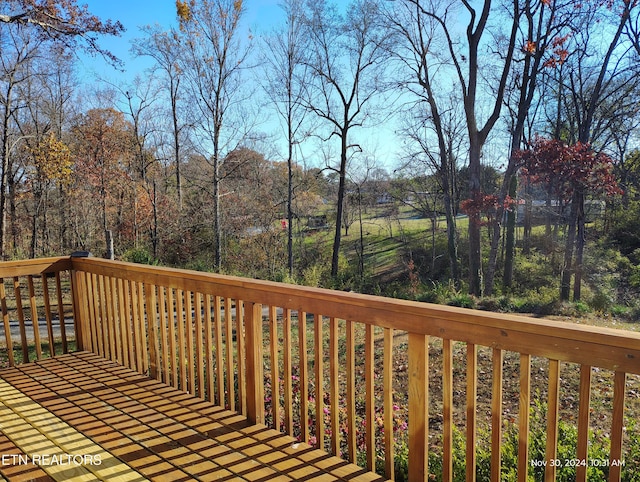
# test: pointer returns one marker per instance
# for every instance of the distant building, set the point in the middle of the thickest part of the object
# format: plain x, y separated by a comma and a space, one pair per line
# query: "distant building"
317, 222
558, 213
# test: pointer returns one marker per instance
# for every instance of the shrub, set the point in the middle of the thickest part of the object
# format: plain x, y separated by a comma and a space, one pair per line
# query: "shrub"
543, 301
567, 449
138, 255
463, 300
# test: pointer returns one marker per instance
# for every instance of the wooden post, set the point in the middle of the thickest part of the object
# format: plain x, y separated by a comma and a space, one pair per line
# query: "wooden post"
151, 303
418, 407
109, 241
255, 375
79, 305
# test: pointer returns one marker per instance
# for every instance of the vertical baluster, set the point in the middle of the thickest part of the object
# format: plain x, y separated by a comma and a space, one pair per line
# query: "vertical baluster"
131, 325
351, 390
121, 348
6, 324
496, 415
103, 334
219, 358
94, 314
199, 345
80, 305
182, 357
34, 317
208, 343
319, 375
369, 397
151, 303
47, 315
447, 409
137, 336
617, 426
164, 352
63, 328
127, 349
552, 420
110, 318
334, 390
472, 396
173, 318
228, 322
274, 354
523, 417
388, 403
143, 329
190, 349
114, 320
21, 323
241, 357
288, 389
304, 375
583, 422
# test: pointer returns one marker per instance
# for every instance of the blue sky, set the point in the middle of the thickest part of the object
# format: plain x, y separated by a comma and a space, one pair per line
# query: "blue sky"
260, 15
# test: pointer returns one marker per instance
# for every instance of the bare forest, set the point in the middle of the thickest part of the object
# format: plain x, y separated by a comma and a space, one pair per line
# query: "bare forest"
414, 148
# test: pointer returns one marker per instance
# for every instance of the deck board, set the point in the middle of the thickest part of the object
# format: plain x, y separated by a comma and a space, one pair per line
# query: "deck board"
143, 429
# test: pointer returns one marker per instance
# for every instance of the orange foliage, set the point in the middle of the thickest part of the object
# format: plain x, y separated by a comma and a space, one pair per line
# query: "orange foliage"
52, 159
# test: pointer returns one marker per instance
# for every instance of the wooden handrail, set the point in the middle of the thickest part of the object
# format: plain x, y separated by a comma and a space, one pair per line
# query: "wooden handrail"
602, 347
249, 345
36, 288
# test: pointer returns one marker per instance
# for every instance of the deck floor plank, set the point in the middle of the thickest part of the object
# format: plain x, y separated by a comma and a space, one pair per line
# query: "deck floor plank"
161, 433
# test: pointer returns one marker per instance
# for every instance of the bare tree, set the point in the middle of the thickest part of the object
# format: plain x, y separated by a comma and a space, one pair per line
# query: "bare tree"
63, 21
345, 56
465, 63
18, 53
286, 77
215, 56
434, 130
164, 48
541, 40
141, 109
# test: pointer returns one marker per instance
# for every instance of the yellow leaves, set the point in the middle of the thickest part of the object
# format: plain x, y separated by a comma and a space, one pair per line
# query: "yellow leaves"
237, 6
183, 9
52, 159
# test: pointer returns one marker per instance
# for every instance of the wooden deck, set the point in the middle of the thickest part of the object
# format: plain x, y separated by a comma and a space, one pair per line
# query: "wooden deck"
80, 417
161, 350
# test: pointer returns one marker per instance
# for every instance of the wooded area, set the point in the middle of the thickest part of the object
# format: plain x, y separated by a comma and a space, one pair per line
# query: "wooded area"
511, 115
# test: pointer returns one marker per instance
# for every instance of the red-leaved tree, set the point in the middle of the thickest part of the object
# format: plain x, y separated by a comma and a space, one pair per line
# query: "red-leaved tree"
572, 172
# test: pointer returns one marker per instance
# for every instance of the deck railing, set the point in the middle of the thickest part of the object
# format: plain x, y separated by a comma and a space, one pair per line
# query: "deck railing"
34, 293
329, 367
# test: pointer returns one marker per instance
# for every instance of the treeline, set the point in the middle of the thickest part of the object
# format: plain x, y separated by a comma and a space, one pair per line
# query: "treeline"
178, 167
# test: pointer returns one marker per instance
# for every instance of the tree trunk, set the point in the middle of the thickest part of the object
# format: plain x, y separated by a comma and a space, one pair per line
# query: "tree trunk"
176, 143
340, 205
580, 242
290, 204
452, 234
108, 234
154, 233
567, 267
527, 222
217, 225
338, 232
475, 255
510, 241
4, 175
